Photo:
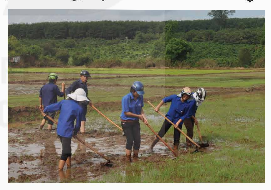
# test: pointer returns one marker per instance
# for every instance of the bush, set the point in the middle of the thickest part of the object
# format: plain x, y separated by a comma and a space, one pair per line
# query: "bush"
63, 55
260, 63
206, 63
244, 57
82, 59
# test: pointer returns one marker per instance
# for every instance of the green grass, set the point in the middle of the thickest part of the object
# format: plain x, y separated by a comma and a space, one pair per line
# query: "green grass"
235, 126
125, 71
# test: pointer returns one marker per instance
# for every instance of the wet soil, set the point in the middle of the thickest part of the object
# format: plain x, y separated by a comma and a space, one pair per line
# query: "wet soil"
33, 155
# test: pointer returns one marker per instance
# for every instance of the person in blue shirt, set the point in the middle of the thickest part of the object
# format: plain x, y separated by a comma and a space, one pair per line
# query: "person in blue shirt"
81, 83
195, 101
70, 111
48, 95
178, 111
132, 112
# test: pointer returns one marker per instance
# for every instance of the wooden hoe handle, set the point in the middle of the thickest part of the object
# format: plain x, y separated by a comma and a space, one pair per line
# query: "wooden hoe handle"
106, 117
176, 127
162, 140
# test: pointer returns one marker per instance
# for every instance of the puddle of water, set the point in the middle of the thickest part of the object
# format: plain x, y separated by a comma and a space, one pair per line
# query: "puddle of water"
244, 120
27, 167
28, 149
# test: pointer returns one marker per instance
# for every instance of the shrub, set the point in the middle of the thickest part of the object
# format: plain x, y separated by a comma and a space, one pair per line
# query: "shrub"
260, 63
206, 63
244, 57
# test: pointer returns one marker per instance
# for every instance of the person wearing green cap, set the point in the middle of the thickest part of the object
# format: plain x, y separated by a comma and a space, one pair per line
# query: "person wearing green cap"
48, 95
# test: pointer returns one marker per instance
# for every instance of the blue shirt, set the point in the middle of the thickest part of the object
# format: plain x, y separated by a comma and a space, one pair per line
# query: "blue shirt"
69, 111
75, 85
49, 93
178, 109
129, 104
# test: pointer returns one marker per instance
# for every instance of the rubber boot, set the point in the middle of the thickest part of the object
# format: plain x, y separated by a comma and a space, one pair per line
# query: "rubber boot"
61, 164
135, 155
153, 144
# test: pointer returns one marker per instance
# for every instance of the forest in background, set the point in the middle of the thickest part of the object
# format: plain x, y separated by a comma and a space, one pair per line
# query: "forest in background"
137, 44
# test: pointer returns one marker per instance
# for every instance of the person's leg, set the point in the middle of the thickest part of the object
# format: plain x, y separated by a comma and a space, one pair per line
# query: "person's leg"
42, 123
137, 139
177, 136
165, 127
189, 125
83, 119
127, 129
50, 123
66, 152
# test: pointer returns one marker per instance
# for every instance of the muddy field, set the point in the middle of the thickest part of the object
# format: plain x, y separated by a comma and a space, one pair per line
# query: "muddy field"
33, 154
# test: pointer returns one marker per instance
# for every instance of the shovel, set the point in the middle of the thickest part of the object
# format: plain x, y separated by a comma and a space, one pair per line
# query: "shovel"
108, 163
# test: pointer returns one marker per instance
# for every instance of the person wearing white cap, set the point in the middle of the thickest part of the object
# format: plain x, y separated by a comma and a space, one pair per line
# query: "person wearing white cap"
177, 112
70, 111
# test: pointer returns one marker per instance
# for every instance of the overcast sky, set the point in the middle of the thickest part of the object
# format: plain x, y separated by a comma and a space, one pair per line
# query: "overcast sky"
58, 15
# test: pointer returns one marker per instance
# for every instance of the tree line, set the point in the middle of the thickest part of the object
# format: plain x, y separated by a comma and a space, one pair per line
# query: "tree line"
122, 29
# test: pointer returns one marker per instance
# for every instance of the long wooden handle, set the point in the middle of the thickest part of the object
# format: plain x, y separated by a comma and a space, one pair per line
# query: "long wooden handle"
161, 140
106, 118
48, 117
199, 133
90, 147
176, 127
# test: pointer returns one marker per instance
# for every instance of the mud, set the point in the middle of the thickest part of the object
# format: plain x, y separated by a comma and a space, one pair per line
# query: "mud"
33, 155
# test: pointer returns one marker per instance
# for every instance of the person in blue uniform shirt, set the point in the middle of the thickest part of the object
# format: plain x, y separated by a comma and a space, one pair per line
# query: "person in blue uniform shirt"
132, 112
178, 110
81, 83
195, 101
48, 95
70, 110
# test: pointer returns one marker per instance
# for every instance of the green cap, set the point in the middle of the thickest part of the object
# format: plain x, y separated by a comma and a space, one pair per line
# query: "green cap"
52, 76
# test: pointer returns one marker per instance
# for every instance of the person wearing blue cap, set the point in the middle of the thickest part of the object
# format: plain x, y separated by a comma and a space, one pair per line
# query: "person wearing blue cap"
132, 112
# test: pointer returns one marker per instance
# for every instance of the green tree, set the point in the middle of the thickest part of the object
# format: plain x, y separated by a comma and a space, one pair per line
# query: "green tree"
221, 16
177, 50
244, 57
14, 46
63, 55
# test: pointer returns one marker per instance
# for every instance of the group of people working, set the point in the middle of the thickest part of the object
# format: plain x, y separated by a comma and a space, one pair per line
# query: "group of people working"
182, 110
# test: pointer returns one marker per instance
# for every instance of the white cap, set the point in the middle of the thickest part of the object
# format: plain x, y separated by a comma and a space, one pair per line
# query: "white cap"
78, 95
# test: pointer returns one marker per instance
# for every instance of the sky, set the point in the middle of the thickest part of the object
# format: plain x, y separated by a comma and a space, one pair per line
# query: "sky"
73, 15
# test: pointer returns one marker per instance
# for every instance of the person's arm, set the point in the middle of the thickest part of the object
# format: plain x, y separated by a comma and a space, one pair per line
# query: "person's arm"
61, 94
78, 122
158, 106
53, 107
144, 117
41, 106
40, 99
195, 120
71, 88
